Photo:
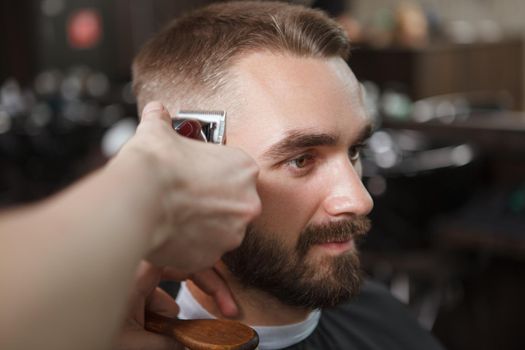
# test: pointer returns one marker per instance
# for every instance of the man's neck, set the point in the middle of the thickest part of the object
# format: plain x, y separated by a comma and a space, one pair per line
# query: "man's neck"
256, 308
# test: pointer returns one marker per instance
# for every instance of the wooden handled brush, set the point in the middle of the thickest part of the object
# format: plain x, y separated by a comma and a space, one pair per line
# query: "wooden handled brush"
204, 334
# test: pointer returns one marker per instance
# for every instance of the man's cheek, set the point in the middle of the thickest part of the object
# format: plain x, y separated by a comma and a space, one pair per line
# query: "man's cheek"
283, 210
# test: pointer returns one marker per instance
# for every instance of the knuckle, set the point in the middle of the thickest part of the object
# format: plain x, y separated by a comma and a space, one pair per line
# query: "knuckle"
247, 161
235, 240
238, 239
254, 168
256, 208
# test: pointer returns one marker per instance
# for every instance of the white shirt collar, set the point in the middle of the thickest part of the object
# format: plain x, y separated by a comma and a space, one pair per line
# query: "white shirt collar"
270, 337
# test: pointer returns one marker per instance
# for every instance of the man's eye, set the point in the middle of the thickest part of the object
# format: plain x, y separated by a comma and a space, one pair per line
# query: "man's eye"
301, 165
354, 152
301, 161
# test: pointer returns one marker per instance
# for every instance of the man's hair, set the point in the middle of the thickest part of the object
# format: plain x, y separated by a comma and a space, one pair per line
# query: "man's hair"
190, 58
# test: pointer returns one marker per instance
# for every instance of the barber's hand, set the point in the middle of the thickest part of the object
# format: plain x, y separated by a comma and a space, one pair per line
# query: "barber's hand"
146, 295
207, 192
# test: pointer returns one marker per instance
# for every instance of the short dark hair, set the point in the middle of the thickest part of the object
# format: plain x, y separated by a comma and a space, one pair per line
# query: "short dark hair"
192, 55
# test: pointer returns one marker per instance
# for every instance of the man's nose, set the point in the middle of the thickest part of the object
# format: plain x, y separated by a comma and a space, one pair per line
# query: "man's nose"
347, 194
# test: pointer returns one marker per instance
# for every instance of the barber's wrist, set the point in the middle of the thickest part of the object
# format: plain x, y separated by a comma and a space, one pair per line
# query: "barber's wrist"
147, 197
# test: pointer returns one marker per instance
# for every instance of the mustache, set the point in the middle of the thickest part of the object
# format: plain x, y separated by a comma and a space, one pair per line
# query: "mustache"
339, 231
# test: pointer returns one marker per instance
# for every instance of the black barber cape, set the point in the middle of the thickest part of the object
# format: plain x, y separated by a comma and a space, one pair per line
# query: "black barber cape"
374, 320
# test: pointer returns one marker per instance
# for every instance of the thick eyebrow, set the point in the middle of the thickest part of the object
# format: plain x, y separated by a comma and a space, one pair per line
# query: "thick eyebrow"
297, 140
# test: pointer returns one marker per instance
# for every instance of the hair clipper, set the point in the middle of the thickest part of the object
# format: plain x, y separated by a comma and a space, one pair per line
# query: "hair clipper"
207, 126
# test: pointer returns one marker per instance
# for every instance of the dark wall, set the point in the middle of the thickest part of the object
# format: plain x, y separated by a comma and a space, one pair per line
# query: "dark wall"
31, 41
17, 42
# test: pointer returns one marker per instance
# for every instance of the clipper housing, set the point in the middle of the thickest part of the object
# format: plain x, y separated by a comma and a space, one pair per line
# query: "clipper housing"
212, 124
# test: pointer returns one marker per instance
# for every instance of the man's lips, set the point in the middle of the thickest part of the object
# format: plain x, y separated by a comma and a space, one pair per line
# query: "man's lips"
332, 236
337, 246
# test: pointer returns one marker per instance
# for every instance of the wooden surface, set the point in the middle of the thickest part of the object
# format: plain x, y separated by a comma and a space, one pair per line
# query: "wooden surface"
443, 68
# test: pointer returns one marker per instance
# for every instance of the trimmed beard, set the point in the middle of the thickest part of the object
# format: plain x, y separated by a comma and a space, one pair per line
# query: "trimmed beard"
264, 262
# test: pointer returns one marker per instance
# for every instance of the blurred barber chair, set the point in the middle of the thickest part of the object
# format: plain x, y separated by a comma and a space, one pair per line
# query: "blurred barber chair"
458, 107
449, 216
415, 174
411, 178
477, 130
414, 178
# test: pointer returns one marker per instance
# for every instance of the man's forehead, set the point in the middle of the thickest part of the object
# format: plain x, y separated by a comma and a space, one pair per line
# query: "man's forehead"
278, 95
263, 67
268, 81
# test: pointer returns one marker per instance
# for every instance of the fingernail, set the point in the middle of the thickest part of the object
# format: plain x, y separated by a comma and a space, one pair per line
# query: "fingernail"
153, 107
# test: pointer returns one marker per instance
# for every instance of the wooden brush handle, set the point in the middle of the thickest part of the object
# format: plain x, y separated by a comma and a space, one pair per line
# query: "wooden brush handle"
204, 334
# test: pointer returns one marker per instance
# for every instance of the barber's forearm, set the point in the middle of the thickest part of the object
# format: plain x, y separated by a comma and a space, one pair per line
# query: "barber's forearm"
68, 261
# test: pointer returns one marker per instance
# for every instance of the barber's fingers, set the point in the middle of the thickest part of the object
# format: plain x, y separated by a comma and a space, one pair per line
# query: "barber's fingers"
146, 294
153, 111
162, 303
172, 274
147, 277
212, 284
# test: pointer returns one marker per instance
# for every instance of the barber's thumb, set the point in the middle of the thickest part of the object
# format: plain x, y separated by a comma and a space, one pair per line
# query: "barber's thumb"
155, 110
162, 303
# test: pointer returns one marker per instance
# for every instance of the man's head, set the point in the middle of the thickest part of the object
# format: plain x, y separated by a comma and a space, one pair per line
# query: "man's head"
293, 105
190, 61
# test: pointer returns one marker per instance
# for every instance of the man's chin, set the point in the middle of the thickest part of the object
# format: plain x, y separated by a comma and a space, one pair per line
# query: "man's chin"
331, 280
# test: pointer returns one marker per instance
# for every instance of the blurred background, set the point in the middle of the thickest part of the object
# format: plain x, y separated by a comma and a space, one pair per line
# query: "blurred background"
444, 81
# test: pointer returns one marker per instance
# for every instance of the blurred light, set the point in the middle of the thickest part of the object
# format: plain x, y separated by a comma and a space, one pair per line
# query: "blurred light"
111, 114
97, 85
117, 136
81, 112
84, 29
48, 82
422, 112
410, 140
29, 99
5, 122
71, 87
462, 106
462, 155
400, 287
517, 201
11, 97
489, 31
127, 94
376, 185
380, 142
445, 111
395, 104
461, 32
52, 7
386, 159
41, 115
